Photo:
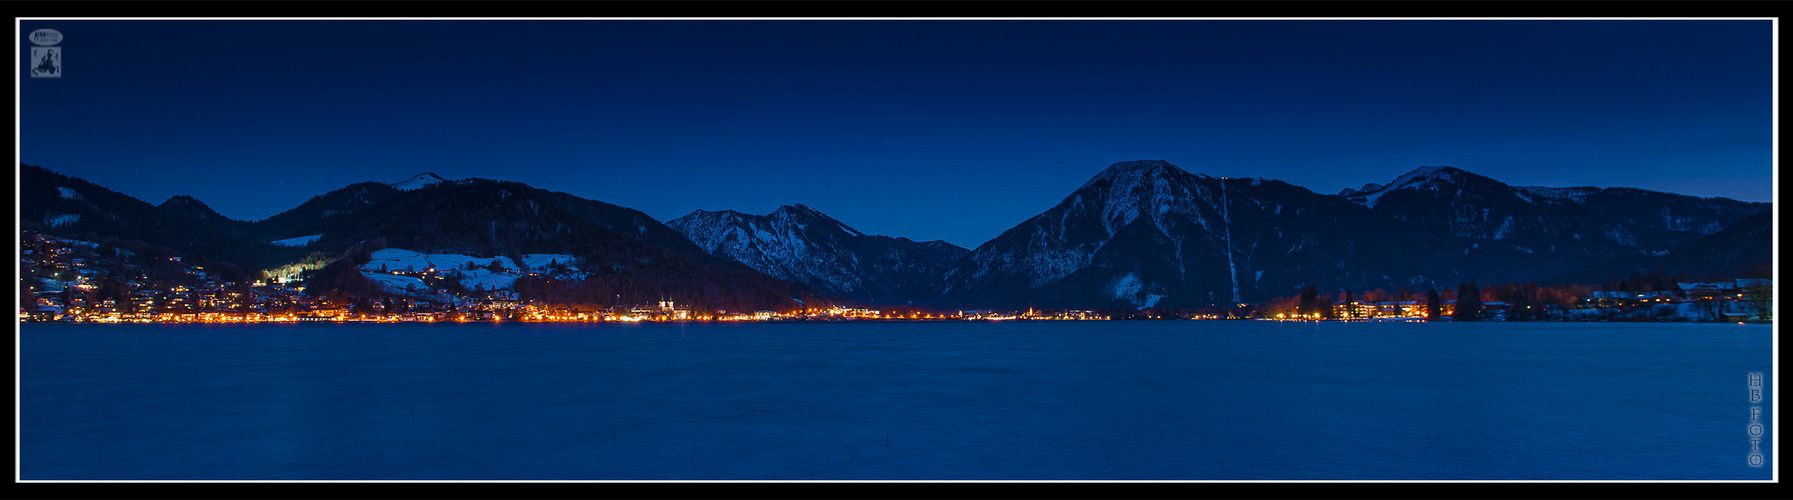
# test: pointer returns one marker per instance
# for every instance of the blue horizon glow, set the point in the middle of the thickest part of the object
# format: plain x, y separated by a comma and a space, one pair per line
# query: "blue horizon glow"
953, 130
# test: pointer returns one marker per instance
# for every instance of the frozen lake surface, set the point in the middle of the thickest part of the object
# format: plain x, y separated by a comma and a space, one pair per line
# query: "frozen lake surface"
1148, 400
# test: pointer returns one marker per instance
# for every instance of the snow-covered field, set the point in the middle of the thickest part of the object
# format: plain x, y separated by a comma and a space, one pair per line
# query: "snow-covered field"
398, 285
396, 260
541, 261
481, 276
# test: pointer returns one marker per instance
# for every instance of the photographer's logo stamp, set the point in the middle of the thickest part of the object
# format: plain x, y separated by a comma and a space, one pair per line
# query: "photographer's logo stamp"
46, 59
1755, 428
46, 37
46, 62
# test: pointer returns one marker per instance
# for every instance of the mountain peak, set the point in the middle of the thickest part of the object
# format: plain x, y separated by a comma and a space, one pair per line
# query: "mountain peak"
189, 207
1423, 174
713, 213
417, 181
181, 199
1132, 172
811, 215
1425, 177
1138, 167
798, 208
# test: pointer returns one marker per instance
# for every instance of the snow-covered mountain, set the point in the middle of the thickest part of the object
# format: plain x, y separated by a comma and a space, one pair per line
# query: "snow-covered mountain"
1744, 249
1530, 232
801, 244
418, 181
488, 219
1426, 188
1147, 233
1137, 234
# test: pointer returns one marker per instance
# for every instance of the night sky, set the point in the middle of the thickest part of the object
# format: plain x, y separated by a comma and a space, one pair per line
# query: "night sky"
953, 130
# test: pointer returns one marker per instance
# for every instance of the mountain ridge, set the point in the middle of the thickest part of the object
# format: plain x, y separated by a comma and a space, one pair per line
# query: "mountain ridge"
1143, 233
799, 243
1147, 233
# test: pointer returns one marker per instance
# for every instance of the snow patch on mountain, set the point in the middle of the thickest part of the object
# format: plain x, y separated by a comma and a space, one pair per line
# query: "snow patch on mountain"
1151, 300
1367, 188
418, 181
1621, 236
1506, 229
69, 193
1127, 288
398, 285
1673, 223
1575, 194
62, 220
1420, 178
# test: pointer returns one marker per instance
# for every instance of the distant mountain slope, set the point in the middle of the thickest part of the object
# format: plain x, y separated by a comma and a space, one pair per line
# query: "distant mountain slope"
1652, 209
634, 224
1743, 250
71, 207
488, 218
1138, 234
1147, 233
801, 244
309, 218
1509, 232
470, 216
321, 211
192, 208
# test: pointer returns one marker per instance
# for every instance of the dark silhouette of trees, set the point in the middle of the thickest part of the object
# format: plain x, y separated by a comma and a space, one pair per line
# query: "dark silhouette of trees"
1309, 303
1760, 295
1469, 302
1432, 304
341, 277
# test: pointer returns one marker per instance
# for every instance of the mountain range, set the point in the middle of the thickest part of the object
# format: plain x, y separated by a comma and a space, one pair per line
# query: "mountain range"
801, 244
1147, 233
1137, 234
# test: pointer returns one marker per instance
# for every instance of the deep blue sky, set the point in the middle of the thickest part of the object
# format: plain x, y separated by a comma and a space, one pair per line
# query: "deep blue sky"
952, 130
